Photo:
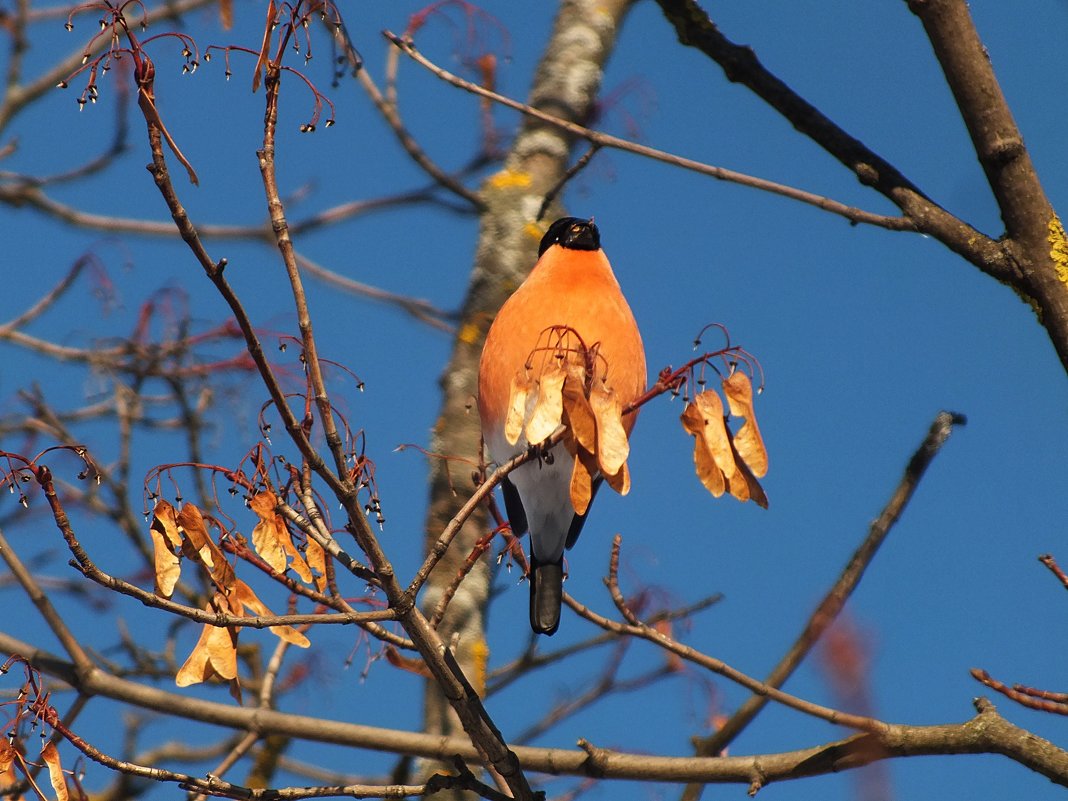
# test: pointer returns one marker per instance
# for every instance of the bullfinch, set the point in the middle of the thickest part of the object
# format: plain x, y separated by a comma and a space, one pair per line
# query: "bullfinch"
570, 296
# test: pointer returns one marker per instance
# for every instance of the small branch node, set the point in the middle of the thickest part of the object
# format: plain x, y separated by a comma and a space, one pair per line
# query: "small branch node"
596, 758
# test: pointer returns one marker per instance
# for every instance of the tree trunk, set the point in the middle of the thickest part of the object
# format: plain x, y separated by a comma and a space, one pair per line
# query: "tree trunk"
566, 84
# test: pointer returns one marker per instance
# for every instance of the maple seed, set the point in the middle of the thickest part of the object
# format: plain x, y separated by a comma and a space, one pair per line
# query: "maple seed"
549, 407
724, 463
165, 538
62, 85
69, 26
215, 653
582, 482
580, 418
620, 482
271, 538
517, 407
705, 466
612, 445
714, 432
50, 756
750, 445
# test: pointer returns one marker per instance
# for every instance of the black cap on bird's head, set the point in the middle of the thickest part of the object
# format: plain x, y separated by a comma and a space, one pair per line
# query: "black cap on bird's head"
572, 233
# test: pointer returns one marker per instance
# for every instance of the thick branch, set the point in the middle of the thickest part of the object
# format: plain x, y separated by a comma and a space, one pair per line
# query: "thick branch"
828, 609
740, 64
832, 603
1035, 237
599, 139
997, 141
986, 733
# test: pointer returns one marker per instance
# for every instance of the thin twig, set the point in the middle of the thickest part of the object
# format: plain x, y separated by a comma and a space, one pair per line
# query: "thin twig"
39, 598
1031, 698
390, 113
740, 64
607, 685
708, 662
831, 604
1051, 563
851, 213
422, 310
572, 171
531, 659
84, 564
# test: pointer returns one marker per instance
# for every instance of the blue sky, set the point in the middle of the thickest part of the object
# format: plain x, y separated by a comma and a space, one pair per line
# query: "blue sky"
863, 334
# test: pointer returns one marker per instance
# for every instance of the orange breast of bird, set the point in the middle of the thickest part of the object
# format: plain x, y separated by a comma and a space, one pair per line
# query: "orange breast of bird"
572, 288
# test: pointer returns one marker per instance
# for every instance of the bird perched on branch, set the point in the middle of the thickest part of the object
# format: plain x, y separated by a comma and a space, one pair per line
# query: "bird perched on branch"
563, 349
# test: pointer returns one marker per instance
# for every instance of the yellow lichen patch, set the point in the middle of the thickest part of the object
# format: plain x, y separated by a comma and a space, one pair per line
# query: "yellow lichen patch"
1058, 249
507, 179
480, 659
468, 334
534, 231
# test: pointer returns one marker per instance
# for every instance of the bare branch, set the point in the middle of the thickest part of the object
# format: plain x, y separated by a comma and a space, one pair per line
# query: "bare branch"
995, 136
422, 310
987, 733
740, 64
831, 605
1051, 563
600, 139
40, 599
390, 113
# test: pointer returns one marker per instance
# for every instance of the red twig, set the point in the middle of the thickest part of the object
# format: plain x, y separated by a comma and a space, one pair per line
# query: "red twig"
1051, 563
1054, 703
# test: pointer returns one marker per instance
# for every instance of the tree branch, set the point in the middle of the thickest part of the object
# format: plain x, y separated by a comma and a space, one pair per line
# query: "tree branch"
995, 136
600, 139
741, 65
986, 733
833, 602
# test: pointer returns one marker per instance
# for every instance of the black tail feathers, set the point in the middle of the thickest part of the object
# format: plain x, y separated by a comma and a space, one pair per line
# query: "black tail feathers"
546, 589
